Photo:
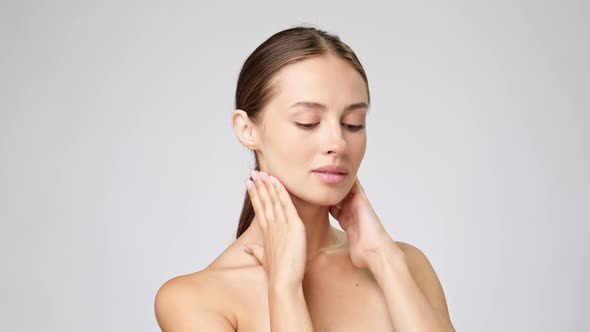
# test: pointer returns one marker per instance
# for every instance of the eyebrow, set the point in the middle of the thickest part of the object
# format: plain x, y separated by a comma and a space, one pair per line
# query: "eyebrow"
322, 107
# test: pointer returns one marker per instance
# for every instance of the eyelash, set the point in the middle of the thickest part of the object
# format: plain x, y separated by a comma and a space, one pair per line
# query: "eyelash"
310, 126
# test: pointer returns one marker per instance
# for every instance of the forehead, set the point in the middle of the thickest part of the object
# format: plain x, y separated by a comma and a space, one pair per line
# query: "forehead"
324, 79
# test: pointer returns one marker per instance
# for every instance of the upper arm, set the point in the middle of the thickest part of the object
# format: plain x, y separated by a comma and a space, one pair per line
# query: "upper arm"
425, 276
186, 306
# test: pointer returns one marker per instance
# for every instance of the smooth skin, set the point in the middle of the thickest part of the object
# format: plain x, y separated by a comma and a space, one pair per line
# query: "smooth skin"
291, 270
370, 247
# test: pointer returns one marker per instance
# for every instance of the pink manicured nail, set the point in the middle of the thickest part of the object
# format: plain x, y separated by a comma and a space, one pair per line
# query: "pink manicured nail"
262, 176
248, 184
253, 175
273, 180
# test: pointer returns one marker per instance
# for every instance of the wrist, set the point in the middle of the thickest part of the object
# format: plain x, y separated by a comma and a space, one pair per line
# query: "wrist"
388, 256
285, 288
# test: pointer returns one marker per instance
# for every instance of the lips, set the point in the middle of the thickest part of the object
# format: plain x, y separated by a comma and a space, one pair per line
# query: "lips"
331, 174
332, 169
331, 178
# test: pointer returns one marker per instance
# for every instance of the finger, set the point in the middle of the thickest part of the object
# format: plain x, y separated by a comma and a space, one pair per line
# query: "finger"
277, 206
255, 250
335, 211
264, 197
357, 187
258, 211
285, 199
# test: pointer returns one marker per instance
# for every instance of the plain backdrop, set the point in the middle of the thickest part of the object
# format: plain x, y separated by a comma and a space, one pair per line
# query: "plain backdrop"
119, 168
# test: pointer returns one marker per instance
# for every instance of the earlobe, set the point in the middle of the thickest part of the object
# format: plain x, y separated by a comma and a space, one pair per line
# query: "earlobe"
244, 129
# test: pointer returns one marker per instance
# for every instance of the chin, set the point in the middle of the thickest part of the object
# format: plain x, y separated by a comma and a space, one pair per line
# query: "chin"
328, 197
319, 194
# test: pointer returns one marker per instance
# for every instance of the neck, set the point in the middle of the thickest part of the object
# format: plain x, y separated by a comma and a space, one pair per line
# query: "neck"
320, 235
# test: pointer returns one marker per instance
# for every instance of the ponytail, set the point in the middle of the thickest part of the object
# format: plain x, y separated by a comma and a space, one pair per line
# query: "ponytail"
247, 214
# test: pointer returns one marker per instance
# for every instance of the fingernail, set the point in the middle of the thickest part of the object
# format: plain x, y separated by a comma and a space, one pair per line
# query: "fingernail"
253, 175
262, 176
273, 180
248, 184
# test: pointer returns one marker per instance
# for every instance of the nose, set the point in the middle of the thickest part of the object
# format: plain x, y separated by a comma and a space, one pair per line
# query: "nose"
335, 143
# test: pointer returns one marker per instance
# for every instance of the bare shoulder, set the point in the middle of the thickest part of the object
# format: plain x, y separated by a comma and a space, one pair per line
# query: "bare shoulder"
426, 278
193, 302
414, 255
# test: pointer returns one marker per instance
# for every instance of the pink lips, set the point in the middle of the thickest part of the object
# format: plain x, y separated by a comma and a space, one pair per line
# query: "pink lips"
331, 174
332, 169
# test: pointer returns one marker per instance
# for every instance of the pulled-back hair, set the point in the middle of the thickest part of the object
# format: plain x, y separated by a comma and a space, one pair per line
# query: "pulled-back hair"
255, 88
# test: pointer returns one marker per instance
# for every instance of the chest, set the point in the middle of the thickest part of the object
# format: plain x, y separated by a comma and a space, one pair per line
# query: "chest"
338, 301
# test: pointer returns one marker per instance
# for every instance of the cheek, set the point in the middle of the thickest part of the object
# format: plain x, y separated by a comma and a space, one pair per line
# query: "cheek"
356, 149
287, 148
289, 157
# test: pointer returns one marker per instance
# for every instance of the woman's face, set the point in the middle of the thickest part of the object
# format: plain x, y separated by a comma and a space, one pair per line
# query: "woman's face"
291, 152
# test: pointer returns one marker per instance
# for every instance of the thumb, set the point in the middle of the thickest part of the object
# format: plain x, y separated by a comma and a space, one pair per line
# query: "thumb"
255, 250
335, 211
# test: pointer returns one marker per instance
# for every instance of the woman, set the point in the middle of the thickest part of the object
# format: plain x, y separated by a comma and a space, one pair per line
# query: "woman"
301, 104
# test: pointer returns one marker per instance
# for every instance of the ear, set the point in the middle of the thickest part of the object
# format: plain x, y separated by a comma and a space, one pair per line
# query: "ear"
244, 129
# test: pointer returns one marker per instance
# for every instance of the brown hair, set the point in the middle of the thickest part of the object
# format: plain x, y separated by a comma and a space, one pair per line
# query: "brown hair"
255, 87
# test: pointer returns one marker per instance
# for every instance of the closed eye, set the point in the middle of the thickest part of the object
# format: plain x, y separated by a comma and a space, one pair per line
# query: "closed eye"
354, 127
306, 125
350, 127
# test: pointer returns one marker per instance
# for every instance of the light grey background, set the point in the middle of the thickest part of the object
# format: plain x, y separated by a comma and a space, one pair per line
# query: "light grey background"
119, 168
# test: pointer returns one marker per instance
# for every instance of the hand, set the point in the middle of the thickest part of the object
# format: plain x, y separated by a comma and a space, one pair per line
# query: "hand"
365, 232
283, 253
